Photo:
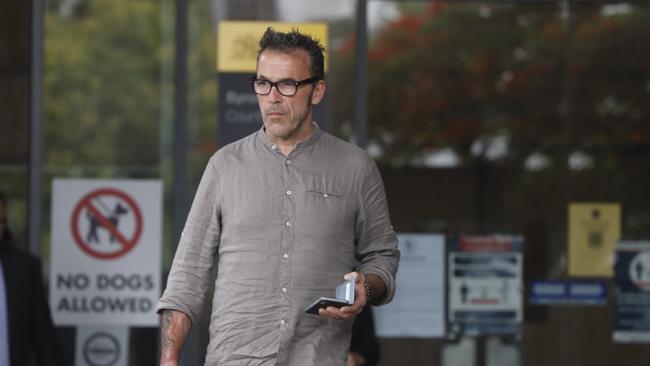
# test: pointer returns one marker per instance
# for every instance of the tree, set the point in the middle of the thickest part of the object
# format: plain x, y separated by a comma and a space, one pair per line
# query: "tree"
102, 83
457, 76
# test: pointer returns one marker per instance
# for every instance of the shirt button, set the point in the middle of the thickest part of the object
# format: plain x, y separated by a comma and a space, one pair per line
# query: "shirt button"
283, 322
274, 147
288, 162
285, 256
287, 223
325, 195
284, 289
289, 192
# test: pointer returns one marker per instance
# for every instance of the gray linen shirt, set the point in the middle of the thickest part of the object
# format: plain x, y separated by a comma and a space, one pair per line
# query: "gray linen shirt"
282, 231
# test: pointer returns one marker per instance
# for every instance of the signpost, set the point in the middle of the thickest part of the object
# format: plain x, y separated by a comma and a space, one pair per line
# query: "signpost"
105, 252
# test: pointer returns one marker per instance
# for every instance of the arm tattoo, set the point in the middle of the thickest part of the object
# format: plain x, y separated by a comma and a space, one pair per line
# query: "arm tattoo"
174, 326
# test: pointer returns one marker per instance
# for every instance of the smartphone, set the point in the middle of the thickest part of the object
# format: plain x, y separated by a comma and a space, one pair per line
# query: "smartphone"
344, 296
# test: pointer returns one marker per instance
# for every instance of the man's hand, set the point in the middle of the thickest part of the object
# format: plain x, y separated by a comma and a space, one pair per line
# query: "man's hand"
174, 326
349, 312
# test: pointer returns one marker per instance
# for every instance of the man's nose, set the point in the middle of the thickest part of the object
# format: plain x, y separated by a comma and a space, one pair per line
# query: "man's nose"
274, 95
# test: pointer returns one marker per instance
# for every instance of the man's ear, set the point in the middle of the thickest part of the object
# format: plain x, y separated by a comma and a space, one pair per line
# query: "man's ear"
319, 92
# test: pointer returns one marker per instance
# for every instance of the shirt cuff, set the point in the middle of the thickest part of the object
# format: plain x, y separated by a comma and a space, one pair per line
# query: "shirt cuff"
167, 304
388, 280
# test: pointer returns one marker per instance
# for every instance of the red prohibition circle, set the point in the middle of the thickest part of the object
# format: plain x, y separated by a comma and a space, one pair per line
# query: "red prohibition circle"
127, 244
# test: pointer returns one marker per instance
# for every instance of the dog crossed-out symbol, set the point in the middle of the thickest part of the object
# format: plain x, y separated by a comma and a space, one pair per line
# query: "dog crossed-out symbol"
113, 217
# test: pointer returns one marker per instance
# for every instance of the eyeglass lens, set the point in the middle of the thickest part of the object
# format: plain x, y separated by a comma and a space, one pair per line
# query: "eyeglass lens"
286, 88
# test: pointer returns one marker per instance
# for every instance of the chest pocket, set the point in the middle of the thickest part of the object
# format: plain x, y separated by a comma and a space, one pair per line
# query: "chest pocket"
325, 194
325, 212
328, 204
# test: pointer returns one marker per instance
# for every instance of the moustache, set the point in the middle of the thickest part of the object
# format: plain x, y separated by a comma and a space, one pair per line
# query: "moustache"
274, 111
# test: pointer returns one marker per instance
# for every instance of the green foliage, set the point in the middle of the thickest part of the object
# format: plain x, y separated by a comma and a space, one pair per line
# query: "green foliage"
102, 81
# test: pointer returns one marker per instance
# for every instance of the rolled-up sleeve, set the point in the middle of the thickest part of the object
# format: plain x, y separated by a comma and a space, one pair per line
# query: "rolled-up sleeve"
189, 279
376, 242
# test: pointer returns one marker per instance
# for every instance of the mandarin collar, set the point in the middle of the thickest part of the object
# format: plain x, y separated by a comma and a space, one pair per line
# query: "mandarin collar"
261, 135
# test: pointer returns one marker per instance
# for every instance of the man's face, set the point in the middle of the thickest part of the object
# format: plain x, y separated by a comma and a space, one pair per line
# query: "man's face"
287, 118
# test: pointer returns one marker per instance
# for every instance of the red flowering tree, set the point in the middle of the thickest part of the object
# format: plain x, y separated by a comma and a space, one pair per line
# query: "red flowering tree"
449, 76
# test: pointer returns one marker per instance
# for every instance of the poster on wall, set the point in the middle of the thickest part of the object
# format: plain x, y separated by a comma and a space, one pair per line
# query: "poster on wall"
418, 308
594, 229
485, 284
237, 45
105, 265
632, 292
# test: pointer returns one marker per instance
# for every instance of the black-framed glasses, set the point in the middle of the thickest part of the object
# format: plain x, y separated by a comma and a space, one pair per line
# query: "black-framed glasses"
288, 88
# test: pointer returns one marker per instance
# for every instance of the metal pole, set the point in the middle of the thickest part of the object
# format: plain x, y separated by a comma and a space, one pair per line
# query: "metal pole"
481, 350
179, 185
361, 68
566, 85
36, 131
191, 353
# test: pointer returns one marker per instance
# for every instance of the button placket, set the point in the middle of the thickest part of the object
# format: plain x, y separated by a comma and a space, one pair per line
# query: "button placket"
287, 241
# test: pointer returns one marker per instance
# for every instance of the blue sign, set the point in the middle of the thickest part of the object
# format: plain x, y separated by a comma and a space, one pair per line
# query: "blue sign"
632, 292
568, 292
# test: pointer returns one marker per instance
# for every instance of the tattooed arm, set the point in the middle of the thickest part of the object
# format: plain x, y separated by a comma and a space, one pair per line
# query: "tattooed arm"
174, 326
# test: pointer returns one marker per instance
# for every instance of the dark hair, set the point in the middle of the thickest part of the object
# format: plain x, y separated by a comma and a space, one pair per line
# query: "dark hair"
6, 239
290, 41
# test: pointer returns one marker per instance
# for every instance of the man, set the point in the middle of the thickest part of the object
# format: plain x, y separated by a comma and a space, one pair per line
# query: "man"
26, 329
283, 213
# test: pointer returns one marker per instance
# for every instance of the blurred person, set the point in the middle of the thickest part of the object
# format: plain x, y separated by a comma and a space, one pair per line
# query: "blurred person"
26, 329
364, 347
283, 214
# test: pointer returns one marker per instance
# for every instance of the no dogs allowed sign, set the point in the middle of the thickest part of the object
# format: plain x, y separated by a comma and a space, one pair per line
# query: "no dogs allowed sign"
105, 251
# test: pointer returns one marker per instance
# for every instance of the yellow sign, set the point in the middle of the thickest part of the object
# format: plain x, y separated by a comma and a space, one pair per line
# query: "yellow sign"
238, 42
594, 229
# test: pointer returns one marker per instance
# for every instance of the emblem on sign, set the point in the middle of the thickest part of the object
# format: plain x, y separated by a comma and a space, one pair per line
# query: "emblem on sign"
106, 223
101, 349
639, 271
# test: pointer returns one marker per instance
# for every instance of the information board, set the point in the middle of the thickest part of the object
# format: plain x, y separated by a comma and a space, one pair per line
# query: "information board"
418, 307
485, 284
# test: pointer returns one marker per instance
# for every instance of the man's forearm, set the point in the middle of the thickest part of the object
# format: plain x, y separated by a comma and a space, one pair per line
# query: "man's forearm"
377, 289
174, 326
